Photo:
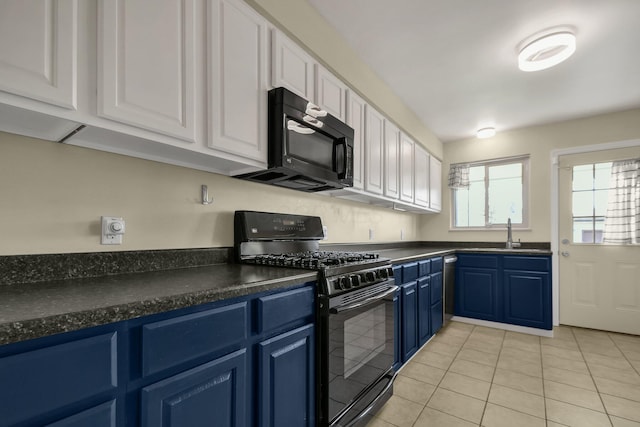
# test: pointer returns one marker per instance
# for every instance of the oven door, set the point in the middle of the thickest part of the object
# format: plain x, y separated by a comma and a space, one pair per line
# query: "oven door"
357, 354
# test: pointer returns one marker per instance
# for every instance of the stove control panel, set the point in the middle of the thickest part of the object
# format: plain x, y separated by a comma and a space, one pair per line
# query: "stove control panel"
360, 279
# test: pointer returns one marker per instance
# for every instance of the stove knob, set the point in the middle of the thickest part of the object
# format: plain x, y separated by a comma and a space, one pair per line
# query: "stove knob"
370, 277
383, 274
390, 272
345, 282
355, 280
337, 285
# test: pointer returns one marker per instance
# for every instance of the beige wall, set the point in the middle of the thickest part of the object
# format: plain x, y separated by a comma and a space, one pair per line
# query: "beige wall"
302, 22
52, 196
538, 142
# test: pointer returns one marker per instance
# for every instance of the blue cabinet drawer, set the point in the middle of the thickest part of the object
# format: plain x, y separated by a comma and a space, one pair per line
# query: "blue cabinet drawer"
424, 268
40, 381
282, 308
175, 341
99, 416
527, 263
436, 265
480, 261
409, 272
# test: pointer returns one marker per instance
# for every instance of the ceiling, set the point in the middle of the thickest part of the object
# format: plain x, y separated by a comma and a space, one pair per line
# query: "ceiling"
454, 62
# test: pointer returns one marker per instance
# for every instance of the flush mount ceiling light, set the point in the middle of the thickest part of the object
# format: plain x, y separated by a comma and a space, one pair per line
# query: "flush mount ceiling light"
486, 133
547, 51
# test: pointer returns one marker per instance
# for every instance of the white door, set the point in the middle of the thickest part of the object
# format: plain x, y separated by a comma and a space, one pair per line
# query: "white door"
599, 284
374, 146
292, 67
406, 168
147, 64
391, 160
38, 50
421, 176
331, 93
356, 119
435, 184
238, 80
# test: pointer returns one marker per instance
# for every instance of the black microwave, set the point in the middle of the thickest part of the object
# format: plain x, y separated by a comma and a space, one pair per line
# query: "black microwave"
309, 149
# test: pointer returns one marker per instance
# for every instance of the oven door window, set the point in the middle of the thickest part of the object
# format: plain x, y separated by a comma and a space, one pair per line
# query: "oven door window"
360, 351
309, 145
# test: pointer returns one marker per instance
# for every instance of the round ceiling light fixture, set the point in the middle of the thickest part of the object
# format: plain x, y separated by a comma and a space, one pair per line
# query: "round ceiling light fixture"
486, 133
547, 51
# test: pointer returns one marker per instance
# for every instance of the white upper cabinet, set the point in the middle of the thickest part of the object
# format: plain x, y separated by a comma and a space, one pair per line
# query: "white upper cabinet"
292, 67
421, 174
435, 184
38, 50
373, 148
356, 119
391, 160
238, 69
406, 168
147, 63
331, 93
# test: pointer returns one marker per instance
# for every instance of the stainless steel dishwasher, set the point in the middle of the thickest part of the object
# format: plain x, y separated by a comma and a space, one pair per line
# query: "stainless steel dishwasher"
449, 284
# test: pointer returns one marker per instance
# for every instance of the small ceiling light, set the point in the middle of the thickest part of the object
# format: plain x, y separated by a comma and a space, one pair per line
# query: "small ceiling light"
547, 51
486, 133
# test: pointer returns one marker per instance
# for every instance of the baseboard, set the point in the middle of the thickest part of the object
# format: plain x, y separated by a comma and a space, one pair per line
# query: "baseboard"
505, 326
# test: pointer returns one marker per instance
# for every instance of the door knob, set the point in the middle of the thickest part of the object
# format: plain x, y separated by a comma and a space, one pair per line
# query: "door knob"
564, 254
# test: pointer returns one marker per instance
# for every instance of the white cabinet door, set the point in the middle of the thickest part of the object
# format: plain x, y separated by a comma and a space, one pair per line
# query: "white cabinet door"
391, 160
356, 119
421, 174
147, 64
331, 93
406, 168
373, 147
292, 67
435, 184
38, 50
238, 79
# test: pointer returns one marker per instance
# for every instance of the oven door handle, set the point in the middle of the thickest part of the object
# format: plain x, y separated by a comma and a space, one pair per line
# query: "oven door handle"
366, 301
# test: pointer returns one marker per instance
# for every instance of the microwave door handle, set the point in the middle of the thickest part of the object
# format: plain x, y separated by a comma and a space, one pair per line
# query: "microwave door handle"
340, 169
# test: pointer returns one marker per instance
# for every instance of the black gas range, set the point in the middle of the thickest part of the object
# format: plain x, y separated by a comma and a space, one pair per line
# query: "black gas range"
356, 308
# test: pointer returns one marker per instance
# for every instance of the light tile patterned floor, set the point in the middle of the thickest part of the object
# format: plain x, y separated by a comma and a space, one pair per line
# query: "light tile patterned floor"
476, 376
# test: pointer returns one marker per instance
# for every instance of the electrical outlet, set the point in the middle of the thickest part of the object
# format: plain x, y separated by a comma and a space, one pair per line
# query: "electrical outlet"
371, 234
325, 232
401, 234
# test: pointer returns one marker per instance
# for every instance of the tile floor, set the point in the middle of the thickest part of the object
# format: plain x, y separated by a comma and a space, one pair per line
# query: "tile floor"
477, 376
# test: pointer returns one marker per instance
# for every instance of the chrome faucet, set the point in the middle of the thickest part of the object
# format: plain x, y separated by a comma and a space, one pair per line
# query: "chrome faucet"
510, 243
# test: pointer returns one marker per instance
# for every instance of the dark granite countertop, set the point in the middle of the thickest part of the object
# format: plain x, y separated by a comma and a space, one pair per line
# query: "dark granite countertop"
35, 310
43, 295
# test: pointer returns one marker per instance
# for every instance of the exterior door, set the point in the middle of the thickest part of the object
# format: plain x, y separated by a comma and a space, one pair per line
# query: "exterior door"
599, 284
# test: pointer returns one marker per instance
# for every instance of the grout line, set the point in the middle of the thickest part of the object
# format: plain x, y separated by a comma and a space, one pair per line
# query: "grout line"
591, 375
486, 403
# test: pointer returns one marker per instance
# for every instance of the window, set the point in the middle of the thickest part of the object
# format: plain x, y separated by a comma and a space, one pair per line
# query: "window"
590, 187
497, 191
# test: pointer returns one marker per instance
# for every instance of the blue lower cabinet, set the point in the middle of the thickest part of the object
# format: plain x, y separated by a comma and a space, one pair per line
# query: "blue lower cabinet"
527, 299
103, 415
214, 393
477, 293
424, 309
410, 343
286, 379
35, 385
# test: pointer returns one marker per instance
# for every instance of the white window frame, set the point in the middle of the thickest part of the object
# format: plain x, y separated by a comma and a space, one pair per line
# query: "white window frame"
524, 160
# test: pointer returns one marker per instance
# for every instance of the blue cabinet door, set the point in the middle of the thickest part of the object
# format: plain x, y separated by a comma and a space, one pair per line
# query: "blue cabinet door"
424, 309
99, 416
436, 287
477, 293
409, 297
527, 299
286, 379
436, 317
214, 393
